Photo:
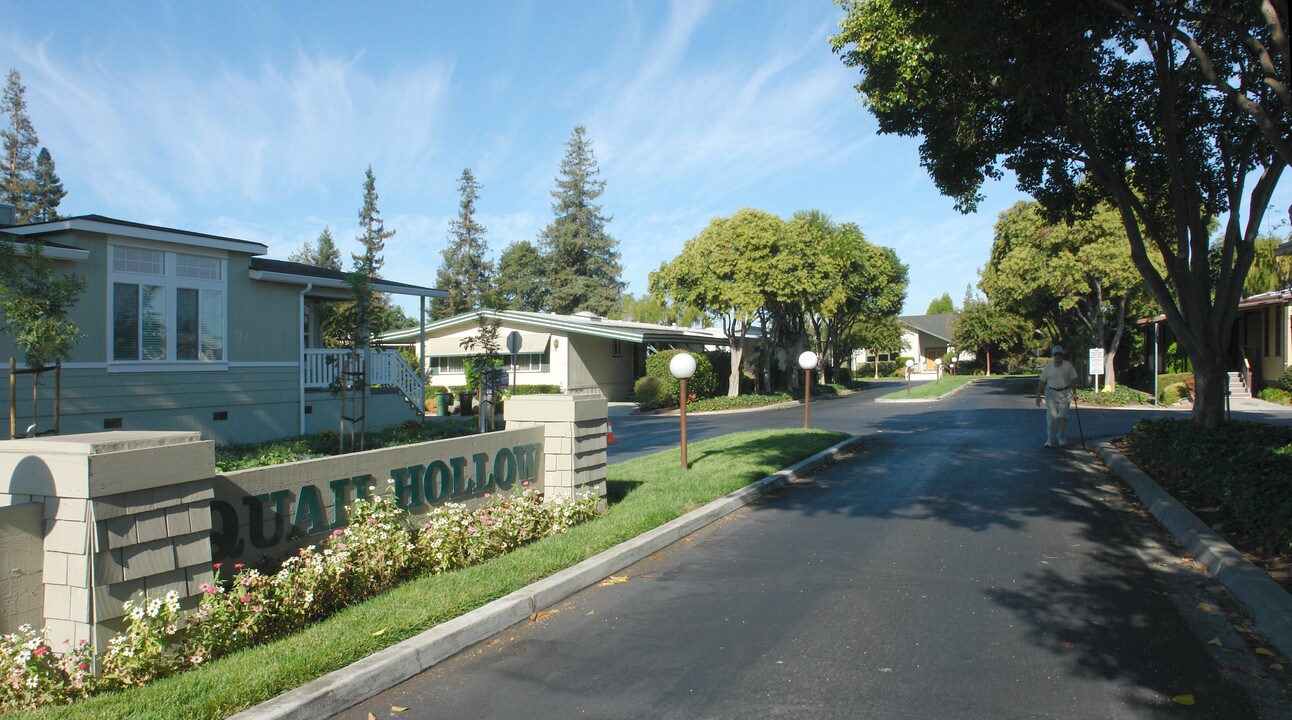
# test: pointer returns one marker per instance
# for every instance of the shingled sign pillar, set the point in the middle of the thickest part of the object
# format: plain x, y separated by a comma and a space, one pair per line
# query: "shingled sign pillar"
574, 439
124, 513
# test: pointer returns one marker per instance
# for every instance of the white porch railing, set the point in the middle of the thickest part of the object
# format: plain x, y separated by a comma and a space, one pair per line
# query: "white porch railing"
321, 366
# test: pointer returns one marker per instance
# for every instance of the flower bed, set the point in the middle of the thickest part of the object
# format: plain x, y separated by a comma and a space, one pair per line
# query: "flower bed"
380, 548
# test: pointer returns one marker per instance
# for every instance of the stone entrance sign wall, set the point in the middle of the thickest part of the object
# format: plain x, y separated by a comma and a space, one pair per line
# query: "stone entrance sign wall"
90, 521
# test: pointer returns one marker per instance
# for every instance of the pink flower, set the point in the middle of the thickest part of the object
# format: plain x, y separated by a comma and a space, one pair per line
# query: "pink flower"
245, 599
207, 588
217, 565
525, 484
257, 608
42, 650
238, 566
82, 666
338, 532
487, 496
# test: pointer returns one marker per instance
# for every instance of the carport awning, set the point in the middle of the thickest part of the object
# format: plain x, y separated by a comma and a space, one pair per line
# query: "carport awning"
451, 346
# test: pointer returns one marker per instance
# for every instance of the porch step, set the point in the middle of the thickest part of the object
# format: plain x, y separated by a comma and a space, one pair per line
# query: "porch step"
1236, 387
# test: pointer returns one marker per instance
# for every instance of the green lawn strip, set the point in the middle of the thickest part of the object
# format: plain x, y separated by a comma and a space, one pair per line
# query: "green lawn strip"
931, 390
644, 493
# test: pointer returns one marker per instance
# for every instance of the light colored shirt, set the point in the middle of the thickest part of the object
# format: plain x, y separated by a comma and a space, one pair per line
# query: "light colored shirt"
1058, 377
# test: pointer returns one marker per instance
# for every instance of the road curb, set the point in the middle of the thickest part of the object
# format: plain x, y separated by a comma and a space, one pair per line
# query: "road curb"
350, 685
1268, 604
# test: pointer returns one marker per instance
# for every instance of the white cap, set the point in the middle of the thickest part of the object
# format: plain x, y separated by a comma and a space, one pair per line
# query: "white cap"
1057, 349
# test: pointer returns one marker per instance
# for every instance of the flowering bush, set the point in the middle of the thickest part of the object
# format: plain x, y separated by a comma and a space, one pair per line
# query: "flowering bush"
33, 674
377, 550
147, 649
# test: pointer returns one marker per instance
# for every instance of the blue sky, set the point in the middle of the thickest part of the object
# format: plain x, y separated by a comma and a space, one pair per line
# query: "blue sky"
257, 120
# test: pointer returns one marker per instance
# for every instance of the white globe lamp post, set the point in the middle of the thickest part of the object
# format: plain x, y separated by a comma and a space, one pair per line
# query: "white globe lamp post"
909, 365
807, 361
682, 367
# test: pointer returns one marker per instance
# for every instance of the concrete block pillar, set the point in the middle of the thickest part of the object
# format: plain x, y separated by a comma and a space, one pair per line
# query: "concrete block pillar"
574, 439
118, 511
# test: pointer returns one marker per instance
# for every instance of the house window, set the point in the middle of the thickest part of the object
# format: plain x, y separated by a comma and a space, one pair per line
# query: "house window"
532, 362
167, 306
616, 348
437, 365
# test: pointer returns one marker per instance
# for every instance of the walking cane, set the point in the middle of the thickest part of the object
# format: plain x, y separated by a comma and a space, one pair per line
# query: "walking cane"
1080, 429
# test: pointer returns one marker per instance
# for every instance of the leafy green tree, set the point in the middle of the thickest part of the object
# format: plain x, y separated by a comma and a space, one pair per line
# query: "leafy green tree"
1175, 112
984, 328
582, 259
323, 253
1076, 279
843, 280
36, 302
47, 190
1269, 271
464, 272
20, 143
658, 311
521, 282
35, 306
941, 306
722, 271
879, 335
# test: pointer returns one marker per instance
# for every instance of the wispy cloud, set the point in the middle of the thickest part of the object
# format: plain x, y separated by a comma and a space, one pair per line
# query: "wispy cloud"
152, 142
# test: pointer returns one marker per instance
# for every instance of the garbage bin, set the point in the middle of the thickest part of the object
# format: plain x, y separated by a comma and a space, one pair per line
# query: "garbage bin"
442, 400
464, 403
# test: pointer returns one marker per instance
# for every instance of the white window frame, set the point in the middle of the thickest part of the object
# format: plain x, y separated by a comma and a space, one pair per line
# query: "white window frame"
171, 281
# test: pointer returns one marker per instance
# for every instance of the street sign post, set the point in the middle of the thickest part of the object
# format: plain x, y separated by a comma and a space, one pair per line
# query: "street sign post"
513, 347
1096, 364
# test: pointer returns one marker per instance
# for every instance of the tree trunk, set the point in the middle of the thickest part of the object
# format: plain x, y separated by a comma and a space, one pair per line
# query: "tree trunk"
1209, 391
737, 355
988, 363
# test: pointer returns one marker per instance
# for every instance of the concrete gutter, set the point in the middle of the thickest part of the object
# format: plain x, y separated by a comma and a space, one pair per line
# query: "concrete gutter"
384, 669
1268, 604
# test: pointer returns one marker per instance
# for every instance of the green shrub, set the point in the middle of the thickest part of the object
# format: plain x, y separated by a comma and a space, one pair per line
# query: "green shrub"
648, 390
1176, 360
536, 390
1285, 382
1277, 396
1121, 395
740, 401
703, 384
1241, 467
1173, 393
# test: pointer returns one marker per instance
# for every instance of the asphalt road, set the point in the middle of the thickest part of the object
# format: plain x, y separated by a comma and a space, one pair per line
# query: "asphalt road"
953, 568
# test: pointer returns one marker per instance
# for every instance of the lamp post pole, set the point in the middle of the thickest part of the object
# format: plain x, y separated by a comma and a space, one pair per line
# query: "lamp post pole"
807, 361
682, 367
909, 364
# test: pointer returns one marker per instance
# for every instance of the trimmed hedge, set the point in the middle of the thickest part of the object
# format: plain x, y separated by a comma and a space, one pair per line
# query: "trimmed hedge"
240, 456
702, 385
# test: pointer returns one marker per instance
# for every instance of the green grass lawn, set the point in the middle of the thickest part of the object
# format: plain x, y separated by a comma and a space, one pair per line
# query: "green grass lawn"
930, 390
643, 494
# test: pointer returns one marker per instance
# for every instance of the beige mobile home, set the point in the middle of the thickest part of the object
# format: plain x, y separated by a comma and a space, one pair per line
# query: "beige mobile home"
580, 353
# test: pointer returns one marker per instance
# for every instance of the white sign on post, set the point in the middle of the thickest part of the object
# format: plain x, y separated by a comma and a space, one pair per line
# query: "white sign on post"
1096, 361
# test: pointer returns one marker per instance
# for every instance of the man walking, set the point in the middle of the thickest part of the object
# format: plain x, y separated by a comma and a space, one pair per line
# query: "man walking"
1057, 381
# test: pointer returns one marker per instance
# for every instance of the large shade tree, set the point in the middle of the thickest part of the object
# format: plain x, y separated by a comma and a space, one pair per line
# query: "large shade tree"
1074, 279
721, 271
1177, 112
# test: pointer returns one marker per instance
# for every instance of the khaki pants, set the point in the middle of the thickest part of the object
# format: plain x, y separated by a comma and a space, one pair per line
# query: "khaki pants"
1057, 405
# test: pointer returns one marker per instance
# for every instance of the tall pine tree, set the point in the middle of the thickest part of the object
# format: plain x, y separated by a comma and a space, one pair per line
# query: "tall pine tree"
464, 273
19, 143
521, 283
323, 253
582, 259
47, 190
369, 319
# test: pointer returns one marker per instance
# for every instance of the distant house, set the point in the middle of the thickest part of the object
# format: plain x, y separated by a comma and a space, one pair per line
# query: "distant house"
578, 353
191, 331
925, 338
